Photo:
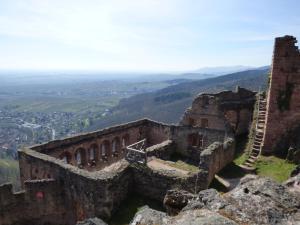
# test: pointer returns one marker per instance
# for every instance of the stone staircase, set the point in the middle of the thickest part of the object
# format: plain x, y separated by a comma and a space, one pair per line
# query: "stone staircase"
249, 164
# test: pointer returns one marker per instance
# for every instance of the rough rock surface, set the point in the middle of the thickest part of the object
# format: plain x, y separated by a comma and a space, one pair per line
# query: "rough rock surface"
149, 216
175, 200
254, 201
92, 221
296, 171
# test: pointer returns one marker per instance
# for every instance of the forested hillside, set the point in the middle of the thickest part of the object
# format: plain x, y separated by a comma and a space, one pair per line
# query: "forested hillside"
168, 104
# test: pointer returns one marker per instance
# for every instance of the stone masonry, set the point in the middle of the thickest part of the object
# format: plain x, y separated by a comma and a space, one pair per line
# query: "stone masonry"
283, 103
222, 110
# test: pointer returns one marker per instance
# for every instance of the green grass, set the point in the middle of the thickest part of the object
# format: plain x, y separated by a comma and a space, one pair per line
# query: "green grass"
130, 207
181, 162
9, 172
274, 167
183, 166
241, 158
241, 153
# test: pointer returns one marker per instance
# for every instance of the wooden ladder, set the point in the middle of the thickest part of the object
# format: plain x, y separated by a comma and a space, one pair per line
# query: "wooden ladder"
256, 147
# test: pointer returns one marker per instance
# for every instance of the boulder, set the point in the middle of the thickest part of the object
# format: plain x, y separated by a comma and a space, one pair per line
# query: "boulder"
175, 200
92, 221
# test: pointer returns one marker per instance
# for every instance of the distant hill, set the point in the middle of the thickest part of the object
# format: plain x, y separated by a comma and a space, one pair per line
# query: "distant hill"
222, 70
168, 104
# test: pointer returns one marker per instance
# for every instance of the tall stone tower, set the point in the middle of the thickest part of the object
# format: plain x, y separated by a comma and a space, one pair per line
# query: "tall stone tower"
283, 105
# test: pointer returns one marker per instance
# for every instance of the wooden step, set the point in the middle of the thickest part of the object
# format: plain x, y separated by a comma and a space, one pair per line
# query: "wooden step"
248, 164
250, 160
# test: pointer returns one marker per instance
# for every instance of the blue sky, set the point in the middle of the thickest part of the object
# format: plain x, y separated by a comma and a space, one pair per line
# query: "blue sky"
142, 35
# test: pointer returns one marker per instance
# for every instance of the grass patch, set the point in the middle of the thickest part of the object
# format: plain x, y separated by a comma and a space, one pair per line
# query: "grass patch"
241, 153
241, 158
274, 167
179, 164
130, 207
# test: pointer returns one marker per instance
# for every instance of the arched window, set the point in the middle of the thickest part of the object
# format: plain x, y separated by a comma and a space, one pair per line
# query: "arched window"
92, 152
125, 141
115, 144
80, 157
66, 157
105, 148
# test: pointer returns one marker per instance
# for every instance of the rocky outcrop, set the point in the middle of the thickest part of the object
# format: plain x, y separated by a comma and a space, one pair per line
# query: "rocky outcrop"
92, 221
149, 216
176, 200
254, 201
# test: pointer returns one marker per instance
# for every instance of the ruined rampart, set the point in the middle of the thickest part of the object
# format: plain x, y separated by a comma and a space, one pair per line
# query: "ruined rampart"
216, 156
41, 202
283, 104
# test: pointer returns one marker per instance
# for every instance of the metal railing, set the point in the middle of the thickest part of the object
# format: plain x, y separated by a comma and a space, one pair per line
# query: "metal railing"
137, 152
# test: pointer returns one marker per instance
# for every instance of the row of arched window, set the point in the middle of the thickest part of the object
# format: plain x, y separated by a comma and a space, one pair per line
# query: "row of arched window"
90, 156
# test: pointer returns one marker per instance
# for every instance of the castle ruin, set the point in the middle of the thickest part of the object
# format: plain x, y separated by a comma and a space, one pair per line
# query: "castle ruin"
90, 175
283, 98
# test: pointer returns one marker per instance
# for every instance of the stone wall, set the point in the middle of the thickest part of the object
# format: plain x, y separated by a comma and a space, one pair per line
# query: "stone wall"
190, 141
163, 150
157, 132
41, 202
96, 150
154, 184
283, 105
215, 157
222, 111
87, 194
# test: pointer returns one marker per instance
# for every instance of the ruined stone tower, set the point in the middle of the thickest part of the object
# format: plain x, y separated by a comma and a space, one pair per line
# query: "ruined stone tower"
283, 107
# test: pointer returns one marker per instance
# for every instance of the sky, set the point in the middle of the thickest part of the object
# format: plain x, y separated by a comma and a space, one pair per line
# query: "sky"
142, 35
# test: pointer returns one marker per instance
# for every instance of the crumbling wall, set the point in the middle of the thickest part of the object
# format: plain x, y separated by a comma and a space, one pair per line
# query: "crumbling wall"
215, 157
41, 202
222, 111
154, 184
87, 194
182, 135
283, 105
108, 145
157, 132
163, 150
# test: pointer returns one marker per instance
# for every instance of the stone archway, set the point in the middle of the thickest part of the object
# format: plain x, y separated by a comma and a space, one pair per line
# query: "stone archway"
66, 157
80, 157
116, 146
105, 150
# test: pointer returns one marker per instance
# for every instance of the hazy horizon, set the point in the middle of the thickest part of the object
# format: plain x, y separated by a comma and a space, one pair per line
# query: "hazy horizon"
141, 35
